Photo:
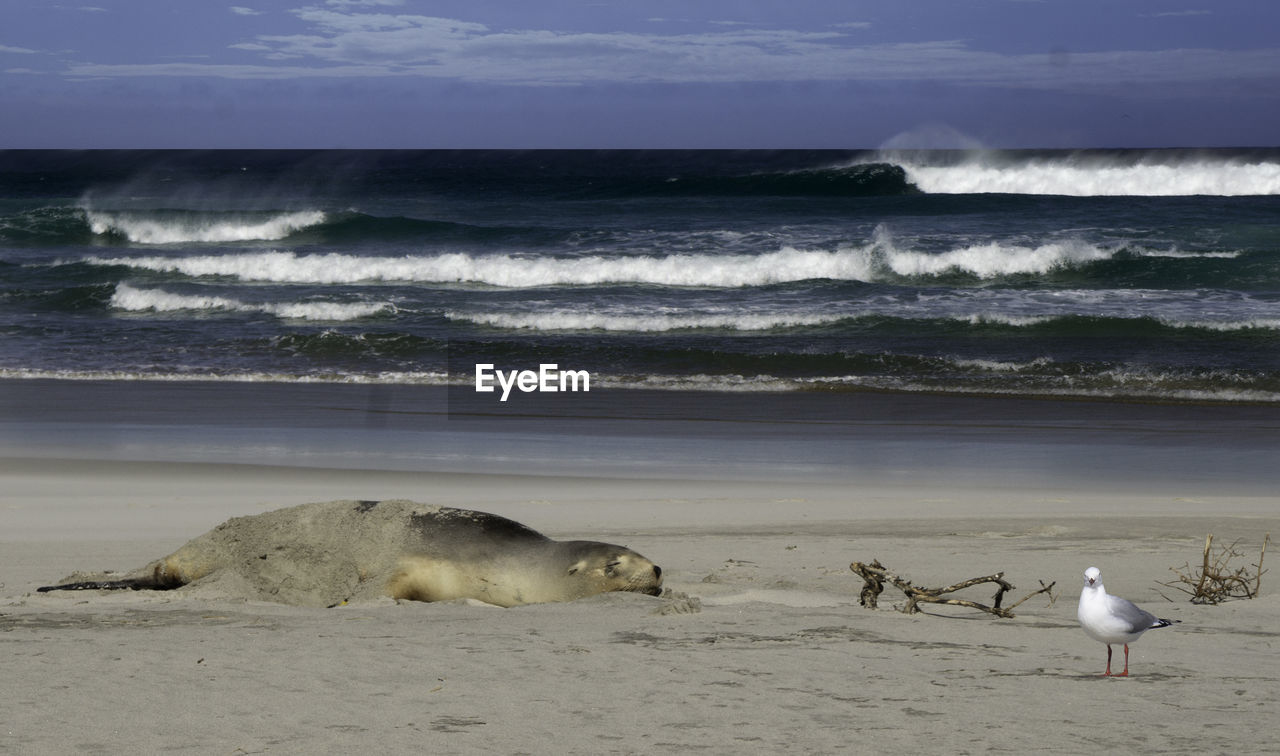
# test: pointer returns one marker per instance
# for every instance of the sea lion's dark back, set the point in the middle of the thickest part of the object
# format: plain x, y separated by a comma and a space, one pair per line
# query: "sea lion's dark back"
468, 531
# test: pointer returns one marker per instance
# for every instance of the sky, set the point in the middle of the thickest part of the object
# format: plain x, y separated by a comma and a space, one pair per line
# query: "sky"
639, 73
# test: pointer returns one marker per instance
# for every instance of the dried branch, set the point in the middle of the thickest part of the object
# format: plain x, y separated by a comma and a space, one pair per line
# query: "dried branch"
875, 575
1216, 581
1043, 589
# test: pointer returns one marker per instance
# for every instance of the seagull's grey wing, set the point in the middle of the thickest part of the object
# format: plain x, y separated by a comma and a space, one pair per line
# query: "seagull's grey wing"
1128, 612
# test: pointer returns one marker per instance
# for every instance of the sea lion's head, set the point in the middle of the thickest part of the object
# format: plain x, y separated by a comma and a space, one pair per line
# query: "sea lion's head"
604, 567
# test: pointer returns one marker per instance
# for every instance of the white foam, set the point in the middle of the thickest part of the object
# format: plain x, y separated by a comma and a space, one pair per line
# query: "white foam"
876, 261
194, 227
1132, 385
569, 320
132, 299
782, 266
995, 260
398, 378
995, 366
1086, 178
1000, 318
1018, 308
703, 382
1180, 255
1262, 324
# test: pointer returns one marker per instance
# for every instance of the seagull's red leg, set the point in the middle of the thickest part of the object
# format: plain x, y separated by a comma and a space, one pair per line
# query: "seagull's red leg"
1109, 661
1125, 673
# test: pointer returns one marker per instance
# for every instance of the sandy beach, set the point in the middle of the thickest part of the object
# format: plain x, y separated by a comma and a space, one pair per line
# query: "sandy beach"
758, 646
387, 377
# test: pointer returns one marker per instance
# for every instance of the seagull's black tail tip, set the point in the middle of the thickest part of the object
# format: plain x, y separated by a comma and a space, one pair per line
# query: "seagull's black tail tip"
1161, 622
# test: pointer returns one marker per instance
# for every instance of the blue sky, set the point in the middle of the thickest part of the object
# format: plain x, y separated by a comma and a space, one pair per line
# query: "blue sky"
639, 73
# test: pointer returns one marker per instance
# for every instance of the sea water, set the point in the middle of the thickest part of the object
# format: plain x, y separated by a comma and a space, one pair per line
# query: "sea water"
1120, 275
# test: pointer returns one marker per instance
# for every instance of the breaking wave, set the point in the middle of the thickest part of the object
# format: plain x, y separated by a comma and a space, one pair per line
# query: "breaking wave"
66, 224
1089, 177
177, 227
783, 266
640, 323
884, 319
512, 271
131, 299
994, 260
880, 260
425, 378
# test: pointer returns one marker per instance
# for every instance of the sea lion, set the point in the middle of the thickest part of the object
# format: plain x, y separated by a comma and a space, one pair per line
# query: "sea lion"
325, 553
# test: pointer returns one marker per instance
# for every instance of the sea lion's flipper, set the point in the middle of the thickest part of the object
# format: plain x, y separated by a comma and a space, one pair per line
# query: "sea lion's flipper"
133, 584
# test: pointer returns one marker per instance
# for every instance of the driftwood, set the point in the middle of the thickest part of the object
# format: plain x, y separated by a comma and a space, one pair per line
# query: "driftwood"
875, 575
1216, 581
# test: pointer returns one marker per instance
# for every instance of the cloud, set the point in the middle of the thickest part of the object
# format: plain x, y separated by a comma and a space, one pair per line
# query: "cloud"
372, 43
441, 47
1168, 14
217, 70
357, 3
17, 50
240, 10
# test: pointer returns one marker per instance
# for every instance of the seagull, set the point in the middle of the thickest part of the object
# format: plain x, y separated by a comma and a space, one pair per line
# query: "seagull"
1111, 619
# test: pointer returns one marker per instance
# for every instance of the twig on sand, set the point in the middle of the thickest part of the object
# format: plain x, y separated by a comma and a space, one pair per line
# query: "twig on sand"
875, 575
1216, 581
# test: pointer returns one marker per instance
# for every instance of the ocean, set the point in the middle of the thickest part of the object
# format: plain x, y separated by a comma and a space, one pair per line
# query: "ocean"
1119, 275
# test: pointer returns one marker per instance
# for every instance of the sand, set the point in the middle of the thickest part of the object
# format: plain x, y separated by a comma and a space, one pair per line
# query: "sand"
760, 645
770, 652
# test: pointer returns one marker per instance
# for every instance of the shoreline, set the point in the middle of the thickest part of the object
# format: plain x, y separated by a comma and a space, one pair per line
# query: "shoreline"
768, 386
870, 439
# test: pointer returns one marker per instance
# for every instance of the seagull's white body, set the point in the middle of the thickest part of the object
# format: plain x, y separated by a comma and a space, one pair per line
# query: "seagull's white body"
1110, 619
